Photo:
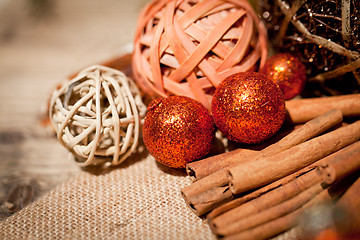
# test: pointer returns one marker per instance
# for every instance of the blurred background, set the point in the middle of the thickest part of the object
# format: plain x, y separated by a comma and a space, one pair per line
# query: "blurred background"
41, 43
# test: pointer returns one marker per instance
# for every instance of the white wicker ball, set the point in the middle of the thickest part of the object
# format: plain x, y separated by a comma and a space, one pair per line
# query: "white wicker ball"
97, 115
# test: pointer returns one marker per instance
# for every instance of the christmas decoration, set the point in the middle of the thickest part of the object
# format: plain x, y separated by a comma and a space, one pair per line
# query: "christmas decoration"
248, 107
324, 34
288, 72
188, 47
97, 115
178, 130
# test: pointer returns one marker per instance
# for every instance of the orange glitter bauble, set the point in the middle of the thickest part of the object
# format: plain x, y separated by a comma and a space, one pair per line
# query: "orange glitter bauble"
178, 130
288, 72
188, 47
248, 107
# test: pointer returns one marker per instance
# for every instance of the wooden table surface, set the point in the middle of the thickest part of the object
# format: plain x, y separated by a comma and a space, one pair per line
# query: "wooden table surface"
41, 43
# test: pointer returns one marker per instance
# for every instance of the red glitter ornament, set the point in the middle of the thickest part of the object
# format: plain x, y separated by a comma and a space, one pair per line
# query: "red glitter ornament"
178, 130
248, 107
288, 72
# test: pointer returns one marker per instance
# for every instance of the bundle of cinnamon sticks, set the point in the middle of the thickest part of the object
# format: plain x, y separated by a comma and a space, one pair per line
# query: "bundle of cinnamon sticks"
258, 194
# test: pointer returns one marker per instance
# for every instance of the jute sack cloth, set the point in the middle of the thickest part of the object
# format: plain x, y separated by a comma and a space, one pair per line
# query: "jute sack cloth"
138, 200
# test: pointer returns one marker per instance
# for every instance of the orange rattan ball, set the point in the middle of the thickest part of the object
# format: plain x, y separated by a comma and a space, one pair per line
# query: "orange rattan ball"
188, 47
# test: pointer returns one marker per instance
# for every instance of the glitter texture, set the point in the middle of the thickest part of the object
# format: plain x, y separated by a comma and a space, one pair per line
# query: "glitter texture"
248, 107
178, 130
288, 72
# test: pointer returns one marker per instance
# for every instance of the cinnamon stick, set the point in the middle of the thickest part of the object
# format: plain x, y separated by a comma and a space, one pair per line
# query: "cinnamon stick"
340, 164
200, 169
208, 193
250, 175
242, 217
271, 213
212, 191
302, 110
204, 167
350, 204
267, 222
351, 195
282, 182
276, 226
281, 224
240, 199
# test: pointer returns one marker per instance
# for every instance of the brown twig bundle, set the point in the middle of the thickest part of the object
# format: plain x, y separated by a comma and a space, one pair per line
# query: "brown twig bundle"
97, 115
324, 34
188, 47
269, 211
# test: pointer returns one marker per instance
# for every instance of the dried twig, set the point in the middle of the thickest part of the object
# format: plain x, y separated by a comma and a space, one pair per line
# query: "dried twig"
353, 56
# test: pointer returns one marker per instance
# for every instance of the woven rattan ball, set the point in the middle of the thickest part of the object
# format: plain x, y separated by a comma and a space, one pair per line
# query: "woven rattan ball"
188, 47
97, 115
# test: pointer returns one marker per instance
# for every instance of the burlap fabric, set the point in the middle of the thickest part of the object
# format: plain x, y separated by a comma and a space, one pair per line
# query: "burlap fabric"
138, 200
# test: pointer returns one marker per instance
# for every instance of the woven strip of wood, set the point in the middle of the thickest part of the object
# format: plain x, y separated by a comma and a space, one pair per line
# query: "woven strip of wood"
188, 47
97, 115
